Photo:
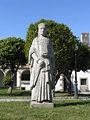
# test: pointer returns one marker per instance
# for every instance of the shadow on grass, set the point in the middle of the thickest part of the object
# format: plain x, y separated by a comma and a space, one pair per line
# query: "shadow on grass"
84, 95
66, 94
16, 93
63, 94
22, 93
71, 103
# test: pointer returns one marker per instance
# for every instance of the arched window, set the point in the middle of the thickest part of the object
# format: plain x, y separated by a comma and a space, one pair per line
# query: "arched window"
25, 75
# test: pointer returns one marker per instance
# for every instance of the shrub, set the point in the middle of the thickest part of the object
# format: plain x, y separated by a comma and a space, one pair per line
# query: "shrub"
7, 81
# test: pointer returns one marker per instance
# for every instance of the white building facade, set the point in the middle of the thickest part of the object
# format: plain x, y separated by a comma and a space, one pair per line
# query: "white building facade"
83, 81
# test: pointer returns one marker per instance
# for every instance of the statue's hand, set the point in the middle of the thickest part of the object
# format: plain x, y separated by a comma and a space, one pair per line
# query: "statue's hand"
31, 87
41, 63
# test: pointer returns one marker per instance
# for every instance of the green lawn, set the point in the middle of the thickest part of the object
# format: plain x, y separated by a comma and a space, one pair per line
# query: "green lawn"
63, 94
24, 93
15, 93
21, 93
63, 110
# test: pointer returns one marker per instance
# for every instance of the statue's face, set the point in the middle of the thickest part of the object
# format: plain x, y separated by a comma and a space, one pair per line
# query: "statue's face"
42, 30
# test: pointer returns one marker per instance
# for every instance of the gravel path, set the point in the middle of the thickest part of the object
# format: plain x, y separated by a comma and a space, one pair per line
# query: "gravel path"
15, 99
27, 99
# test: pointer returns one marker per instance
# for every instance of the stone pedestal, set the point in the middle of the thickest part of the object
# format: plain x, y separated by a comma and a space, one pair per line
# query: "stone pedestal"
34, 104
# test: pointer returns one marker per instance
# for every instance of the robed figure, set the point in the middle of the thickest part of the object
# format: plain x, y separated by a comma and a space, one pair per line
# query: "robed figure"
41, 61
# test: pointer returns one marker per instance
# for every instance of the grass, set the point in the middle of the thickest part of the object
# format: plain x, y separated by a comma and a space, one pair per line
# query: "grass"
63, 110
19, 93
63, 94
15, 93
24, 93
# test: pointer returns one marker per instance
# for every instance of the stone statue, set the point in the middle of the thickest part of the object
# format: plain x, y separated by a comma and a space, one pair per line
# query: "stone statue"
41, 61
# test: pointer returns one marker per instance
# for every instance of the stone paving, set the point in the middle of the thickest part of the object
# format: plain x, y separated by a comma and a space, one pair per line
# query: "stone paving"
71, 98
27, 99
14, 100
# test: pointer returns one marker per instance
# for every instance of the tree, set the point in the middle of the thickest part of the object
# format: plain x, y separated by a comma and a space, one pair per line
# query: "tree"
7, 81
62, 40
64, 43
83, 57
12, 54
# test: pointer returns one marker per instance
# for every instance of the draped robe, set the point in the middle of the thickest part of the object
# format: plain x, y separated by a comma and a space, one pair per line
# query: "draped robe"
41, 77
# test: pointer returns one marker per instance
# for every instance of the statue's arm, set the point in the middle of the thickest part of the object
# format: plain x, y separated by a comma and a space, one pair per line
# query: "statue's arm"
32, 53
38, 60
35, 57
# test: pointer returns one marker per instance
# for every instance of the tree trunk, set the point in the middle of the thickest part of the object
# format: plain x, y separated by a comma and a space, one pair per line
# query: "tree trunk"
68, 84
11, 85
53, 92
10, 90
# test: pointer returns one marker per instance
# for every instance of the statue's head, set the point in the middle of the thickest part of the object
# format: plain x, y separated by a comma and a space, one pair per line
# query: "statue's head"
42, 29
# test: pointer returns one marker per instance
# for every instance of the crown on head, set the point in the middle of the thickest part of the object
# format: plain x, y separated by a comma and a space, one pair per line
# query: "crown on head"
42, 25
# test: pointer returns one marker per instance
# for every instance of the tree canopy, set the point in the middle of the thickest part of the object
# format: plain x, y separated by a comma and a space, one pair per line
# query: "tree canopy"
83, 57
12, 55
12, 52
62, 40
64, 43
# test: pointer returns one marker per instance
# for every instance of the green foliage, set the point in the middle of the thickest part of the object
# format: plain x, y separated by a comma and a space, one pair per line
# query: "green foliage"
12, 55
83, 57
7, 81
12, 52
62, 39
64, 43
15, 93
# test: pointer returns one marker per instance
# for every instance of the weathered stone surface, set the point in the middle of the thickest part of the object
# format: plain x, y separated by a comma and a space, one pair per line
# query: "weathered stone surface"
41, 61
41, 105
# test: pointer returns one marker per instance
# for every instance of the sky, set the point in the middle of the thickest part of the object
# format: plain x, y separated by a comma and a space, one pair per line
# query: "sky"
17, 15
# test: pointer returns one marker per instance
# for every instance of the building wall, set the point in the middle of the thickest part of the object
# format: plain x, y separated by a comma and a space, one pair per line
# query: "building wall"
23, 82
81, 76
85, 38
19, 82
60, 84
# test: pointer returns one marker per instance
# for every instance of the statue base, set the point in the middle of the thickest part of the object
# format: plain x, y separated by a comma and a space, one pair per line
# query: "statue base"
34, 104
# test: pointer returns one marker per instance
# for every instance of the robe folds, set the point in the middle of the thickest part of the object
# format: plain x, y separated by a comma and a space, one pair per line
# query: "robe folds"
41, 75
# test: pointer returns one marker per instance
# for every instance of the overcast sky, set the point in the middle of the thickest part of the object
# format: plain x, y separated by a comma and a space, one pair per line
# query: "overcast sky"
17, 15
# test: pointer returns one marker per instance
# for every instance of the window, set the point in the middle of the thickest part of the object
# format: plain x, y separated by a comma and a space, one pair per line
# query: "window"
25, 76
83, 81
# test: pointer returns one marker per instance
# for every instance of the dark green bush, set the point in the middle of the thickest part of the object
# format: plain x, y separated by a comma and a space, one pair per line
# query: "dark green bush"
7, 81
